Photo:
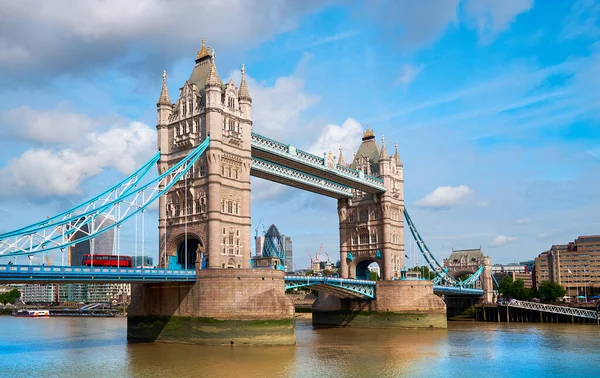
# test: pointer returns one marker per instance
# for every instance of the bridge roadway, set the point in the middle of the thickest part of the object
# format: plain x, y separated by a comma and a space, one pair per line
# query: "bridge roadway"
341, 287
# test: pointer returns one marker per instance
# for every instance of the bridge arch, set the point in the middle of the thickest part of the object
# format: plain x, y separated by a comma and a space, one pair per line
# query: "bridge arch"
195, 248
361, 271
457, 273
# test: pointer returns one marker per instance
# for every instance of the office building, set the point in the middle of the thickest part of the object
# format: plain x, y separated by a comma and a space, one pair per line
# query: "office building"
259, 244
139, 261
575, 266
102, 244
288, 250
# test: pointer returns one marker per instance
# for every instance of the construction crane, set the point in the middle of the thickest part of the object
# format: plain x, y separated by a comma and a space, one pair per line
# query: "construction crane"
311, 260
256, 229
50, 259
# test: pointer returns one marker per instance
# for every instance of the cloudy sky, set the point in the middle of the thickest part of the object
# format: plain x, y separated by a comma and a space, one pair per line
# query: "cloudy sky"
494, 104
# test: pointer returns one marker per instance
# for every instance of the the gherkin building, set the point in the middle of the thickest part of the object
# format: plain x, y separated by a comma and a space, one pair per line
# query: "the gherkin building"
273, 246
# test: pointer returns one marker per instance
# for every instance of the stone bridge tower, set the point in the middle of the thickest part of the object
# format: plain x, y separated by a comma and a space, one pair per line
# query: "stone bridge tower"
204, 220
467, 262
372, 225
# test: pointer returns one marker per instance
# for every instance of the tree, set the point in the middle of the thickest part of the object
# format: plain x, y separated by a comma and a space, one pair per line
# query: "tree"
514, 289
550, 291
373, 276
10, 297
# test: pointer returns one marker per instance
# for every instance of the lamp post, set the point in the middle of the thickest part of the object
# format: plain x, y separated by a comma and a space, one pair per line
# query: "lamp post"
30, 257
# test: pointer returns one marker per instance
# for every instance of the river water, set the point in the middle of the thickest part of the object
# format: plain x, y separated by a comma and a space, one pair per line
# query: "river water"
86, 347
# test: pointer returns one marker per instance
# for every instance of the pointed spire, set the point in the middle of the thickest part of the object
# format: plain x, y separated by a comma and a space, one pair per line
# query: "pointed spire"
397, 156
383, 153
213, 78
341, 158
244, 93
204, 51
164, 98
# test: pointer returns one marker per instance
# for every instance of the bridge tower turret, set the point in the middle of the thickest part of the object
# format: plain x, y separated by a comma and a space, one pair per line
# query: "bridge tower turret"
207, 215
371, 225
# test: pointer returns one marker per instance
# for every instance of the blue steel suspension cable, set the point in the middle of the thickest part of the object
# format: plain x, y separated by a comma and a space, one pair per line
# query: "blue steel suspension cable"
191, 159
137, 176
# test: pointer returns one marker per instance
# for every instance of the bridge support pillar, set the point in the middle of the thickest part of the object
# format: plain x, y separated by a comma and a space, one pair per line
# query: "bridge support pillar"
223, 307
399, 304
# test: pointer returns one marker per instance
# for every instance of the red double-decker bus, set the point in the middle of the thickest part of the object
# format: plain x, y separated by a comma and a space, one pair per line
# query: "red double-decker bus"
107, 260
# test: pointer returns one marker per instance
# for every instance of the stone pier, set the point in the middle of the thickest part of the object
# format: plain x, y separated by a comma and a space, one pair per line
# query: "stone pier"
223, 307
399, 304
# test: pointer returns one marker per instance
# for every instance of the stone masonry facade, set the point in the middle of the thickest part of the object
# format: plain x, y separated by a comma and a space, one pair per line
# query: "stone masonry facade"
372, 225
210, 207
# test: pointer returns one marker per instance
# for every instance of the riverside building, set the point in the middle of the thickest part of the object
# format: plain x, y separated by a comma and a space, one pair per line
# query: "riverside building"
575, 266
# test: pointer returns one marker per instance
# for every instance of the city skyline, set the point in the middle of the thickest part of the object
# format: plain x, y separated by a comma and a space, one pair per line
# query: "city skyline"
504, 103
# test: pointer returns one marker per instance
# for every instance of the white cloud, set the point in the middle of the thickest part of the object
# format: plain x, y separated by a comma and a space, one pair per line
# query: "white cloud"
332, 137
46, 172
492, 17
582, 20
502, 240
445, 196
264, 190
523, 220
416, 22
408, 74
56, 126
276, 109
86, 33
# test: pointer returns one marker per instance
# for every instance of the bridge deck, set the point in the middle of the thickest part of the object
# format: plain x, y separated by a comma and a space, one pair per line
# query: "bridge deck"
84, 274
341, 287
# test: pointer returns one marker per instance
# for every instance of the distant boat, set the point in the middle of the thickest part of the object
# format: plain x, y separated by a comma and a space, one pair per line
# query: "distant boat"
32, 313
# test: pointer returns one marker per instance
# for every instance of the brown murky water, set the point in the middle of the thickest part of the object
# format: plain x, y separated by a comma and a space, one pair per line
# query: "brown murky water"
84, 347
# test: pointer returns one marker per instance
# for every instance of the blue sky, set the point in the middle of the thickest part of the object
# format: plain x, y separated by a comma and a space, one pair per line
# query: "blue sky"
494, 106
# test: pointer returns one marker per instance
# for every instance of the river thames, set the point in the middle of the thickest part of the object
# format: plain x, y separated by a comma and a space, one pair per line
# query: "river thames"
85, 347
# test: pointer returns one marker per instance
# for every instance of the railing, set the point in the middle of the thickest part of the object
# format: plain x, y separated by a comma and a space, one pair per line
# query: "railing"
456, 290
289, 152
563, 310
300, 177
88, 273
356, 288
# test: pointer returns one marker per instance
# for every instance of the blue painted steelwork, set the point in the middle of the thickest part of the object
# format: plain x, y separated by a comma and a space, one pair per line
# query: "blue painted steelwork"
326, 186
442, 275
42, 237
126, 185
474, 277
441, 289
290, 153
342, 286
434, 265
85, 274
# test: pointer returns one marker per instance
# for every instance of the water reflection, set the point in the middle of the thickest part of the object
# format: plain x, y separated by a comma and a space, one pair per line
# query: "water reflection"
98, 348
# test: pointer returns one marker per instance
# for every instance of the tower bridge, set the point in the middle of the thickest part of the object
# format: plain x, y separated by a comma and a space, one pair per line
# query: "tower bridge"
207, 153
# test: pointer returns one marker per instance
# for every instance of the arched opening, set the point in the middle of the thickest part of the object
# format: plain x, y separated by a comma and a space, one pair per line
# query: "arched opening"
368, 270
186, 257
462, 274
230, 264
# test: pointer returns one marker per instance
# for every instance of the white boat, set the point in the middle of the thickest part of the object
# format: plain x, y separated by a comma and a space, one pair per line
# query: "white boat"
32, 313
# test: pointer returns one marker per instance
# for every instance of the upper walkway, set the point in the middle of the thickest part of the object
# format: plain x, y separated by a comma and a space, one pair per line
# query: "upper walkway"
283, 163
340, 287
